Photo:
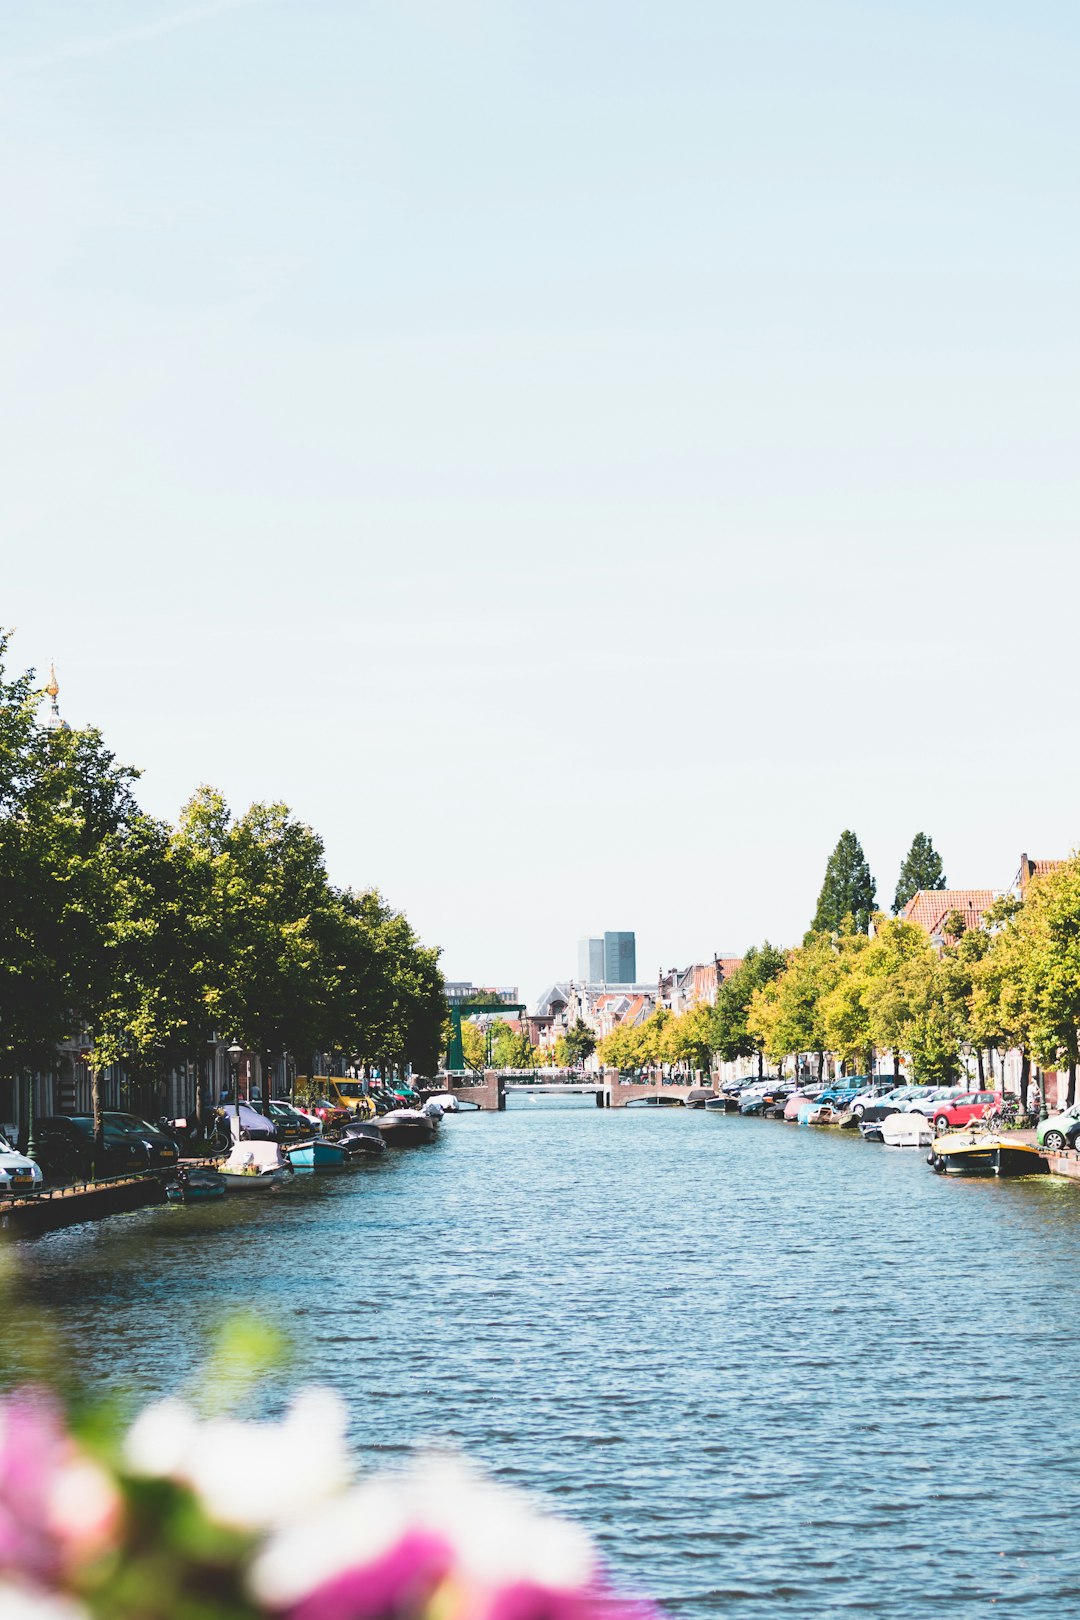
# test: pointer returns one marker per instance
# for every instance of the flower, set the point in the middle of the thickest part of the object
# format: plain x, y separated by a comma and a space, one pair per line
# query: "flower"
249, 1476
436, 1542
56, 1505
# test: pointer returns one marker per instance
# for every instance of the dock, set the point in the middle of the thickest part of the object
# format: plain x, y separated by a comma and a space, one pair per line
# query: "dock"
87, 1201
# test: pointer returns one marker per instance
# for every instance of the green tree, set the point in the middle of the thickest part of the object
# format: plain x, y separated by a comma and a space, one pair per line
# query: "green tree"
580, 1044
848, 890
786, 1013
733, 1035
921, 869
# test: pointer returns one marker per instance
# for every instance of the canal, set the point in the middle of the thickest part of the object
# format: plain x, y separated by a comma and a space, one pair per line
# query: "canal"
774, 1371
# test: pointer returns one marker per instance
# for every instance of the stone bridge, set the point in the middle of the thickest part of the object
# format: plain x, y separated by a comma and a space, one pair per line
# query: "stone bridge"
489, 1091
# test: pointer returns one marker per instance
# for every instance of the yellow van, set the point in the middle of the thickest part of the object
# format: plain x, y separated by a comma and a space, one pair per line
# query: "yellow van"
350, 1094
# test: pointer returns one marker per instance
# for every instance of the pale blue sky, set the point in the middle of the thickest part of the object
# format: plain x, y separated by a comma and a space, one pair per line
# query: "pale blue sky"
581, 456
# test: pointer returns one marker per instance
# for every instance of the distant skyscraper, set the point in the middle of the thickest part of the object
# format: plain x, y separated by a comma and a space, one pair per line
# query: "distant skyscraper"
620, 959
590, 961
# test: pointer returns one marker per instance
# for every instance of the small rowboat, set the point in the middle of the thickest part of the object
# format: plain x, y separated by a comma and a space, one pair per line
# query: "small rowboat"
197, 1185
255, 1167
316, 1154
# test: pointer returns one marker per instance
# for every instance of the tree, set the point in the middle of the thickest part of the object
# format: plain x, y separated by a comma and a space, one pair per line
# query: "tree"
785, 1014
580, 1044
1042, 948
848, 890
733, 1036
922, 869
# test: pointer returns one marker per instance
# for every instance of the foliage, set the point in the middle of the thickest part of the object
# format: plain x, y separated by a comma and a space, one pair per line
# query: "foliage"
579, 1044
847, 892
153, 938
732, 1035
922, 869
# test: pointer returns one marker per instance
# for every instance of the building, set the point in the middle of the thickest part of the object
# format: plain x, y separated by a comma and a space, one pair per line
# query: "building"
459, 991
1033, 869
683, 988
929, 908
590, 961
620, 958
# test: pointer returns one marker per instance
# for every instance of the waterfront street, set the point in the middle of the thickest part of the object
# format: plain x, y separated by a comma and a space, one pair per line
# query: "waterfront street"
774, 1370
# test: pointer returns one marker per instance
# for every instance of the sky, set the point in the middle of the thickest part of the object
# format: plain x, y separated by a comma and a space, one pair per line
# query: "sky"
580, 456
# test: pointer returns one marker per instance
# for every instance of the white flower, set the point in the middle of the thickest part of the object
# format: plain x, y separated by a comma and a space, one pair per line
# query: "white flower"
497, 1536
20, 1603
250, 1475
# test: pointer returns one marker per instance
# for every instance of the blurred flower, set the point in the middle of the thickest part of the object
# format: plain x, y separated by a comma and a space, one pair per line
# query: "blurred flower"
56, 1505
438, 1541
247, 1475
18, 1603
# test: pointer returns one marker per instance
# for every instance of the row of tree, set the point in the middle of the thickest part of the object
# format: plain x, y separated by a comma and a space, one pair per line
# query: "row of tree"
152, 938
1011, 982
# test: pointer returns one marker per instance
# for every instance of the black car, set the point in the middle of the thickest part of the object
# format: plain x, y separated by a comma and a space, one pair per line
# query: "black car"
64, 1148
161, 1150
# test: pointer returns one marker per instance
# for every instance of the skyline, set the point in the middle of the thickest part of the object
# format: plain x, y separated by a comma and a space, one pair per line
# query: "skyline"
580, 459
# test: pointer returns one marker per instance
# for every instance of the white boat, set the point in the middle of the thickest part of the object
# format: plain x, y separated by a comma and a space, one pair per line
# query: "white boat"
255, 1165
906, 1131
447, 1102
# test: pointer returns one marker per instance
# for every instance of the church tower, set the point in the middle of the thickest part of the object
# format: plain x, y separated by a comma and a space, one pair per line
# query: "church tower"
54, 720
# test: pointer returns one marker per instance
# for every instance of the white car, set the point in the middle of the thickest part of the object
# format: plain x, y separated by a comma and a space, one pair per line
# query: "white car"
18, 1174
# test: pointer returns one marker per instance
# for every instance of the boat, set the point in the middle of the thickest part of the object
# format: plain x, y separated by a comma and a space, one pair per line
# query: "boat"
317, 1153
906, 1130
814, 1113
255, 1166
870, 1130
195, 1184
720, 1105
985, 1153
361, 1139
447, 1102
700, 1097
407, 1127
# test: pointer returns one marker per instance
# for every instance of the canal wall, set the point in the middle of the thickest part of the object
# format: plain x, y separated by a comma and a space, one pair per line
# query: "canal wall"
68, 1206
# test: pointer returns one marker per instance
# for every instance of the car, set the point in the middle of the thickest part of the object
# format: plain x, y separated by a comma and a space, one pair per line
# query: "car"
1060, 1130
962, 1110
64, 1148
291, 1124
18, 1174
891, 1103
161, 1151
326, 1112
933, 1098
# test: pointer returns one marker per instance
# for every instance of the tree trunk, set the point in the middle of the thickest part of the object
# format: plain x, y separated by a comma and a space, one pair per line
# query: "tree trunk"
99, 1122
1071, 1094
869, 1062
1025, 1077
820, 1067
979, 1068
760, 1065
896, 1064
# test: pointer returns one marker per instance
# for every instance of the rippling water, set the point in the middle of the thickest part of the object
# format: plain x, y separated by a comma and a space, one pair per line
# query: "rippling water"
774, 1370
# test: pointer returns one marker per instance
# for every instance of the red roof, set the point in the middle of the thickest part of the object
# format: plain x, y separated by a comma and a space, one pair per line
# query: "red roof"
1035, 869
929, 908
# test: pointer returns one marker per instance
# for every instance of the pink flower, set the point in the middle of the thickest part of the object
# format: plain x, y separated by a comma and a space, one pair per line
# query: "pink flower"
56, 1505
398, 1584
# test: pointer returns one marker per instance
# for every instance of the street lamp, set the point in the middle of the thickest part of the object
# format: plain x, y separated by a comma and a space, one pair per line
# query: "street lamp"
235, 1053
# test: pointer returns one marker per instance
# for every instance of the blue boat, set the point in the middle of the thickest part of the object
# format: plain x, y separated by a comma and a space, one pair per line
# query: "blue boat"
315, 1154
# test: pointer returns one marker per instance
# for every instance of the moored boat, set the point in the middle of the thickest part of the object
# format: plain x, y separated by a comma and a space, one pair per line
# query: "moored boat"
985, 1153
255, 1166
906, 1130
316, 1154
408, 1127
195, 1184
700, 1097
362, 1139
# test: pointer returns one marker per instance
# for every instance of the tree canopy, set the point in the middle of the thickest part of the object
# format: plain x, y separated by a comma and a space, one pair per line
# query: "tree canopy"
922, 869
848, 891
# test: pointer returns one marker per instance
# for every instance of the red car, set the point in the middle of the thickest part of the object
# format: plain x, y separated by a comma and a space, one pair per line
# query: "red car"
959, 1110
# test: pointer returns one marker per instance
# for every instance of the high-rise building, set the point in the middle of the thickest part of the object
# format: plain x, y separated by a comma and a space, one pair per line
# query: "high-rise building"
620, 959
590, 961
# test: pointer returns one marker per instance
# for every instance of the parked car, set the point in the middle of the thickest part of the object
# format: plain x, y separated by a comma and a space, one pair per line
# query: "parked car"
962, 1110
1060, 1130
291, 1124
18, 1174
161, 1149
890, 1103
934, 1098
327, 1113
64, 1148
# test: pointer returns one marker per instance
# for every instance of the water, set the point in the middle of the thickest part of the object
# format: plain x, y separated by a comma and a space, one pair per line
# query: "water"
775, 1371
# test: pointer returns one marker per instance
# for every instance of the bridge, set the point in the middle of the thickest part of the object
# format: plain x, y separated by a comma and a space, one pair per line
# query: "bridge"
490, 1090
